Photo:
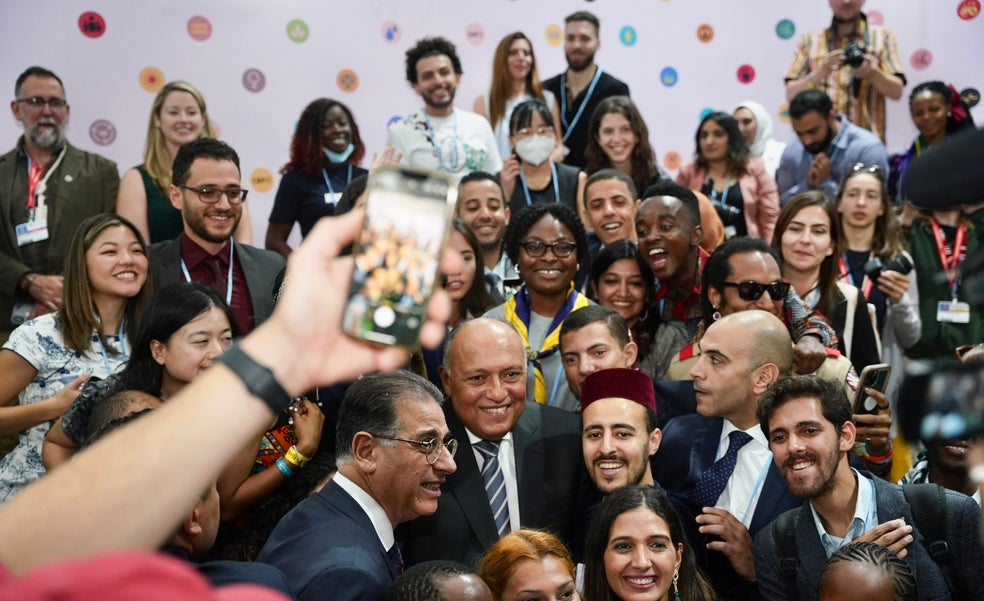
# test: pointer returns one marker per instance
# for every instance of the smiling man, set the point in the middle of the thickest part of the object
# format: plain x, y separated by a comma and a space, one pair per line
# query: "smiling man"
482, 207
520, 464
207, 189
442, 136
610, 205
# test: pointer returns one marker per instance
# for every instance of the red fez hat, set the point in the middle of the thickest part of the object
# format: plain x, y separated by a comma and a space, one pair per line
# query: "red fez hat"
620, 383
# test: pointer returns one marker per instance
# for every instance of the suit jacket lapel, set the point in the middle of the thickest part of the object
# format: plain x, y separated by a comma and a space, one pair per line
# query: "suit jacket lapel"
60, 191
705, 447
248, 263
335, 496
774, 491
530, 465
465, 485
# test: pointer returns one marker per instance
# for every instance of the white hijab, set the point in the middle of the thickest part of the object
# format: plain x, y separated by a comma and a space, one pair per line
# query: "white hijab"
764, 122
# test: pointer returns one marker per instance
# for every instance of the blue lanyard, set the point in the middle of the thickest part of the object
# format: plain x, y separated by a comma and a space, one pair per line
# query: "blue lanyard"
331, 190
187, 275
437, 147
556, 186
569, 127
102, 347
556, 385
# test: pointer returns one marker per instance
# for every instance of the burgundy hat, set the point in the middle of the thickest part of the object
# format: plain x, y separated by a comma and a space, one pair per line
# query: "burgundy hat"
620, 383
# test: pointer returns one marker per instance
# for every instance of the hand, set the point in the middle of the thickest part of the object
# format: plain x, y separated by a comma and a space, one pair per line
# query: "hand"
735, 543
819, 170
308, 421
867, 68
808, 354
833, 60
47, 291
509, 174
873, 429
893, 285
62, 399
302, 342
894, 535
390, 156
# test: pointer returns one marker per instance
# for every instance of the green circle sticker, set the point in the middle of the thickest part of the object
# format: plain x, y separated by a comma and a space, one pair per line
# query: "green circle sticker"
297, 30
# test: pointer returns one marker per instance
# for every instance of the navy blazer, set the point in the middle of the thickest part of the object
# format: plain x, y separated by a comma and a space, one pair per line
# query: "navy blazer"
553, 485
328, 549
688, 448
963, 516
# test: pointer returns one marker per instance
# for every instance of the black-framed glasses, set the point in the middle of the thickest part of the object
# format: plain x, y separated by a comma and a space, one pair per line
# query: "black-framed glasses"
430, 448
37, 102
536, 248
211, 194
752, 291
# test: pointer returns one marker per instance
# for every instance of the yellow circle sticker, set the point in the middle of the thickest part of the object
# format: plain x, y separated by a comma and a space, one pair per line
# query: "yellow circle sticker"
262, 180
554, 35
152, 79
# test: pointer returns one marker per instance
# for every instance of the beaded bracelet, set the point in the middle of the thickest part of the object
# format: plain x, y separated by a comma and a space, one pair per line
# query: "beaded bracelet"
877, 459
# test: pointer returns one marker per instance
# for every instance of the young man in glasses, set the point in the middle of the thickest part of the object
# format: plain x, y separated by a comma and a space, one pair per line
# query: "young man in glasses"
207, 189
49, 187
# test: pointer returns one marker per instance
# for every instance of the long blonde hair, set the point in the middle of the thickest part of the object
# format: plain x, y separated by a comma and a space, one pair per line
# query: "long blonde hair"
157, 161
501, 89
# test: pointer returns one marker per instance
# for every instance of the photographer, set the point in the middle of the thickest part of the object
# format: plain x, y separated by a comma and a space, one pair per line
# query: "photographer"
857, 64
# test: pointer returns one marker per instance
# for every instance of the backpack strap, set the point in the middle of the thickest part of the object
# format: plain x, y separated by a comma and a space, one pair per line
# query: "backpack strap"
928, 504
784, 533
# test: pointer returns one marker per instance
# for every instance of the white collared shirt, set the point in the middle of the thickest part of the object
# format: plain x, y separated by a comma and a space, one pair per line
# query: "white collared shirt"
865, 517
741, 493
507, 462
377, 515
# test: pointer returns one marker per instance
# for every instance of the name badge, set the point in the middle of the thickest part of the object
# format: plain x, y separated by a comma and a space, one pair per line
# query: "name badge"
953, 312
32, 231
331, 198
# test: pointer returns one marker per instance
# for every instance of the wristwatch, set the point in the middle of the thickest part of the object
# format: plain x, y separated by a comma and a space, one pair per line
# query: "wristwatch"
258, 379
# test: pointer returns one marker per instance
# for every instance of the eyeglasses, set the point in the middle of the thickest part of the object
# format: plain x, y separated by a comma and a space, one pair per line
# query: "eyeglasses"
543, 130
430, 448
561, 250
752, 291
211, 194
37, 102
866, 168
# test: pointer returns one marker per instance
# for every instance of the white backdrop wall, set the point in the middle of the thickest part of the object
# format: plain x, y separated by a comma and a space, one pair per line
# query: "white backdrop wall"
260, 62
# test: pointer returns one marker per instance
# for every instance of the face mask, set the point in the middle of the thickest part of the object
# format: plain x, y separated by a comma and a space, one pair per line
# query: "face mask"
340, 157
535, 150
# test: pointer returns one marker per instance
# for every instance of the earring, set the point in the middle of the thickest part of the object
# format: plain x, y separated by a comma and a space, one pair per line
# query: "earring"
676, 586
644, 315
949, 115
716, 315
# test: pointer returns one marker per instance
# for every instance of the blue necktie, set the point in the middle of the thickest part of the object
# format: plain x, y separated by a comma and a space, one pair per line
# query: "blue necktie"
711, 483
495, 485
396, 558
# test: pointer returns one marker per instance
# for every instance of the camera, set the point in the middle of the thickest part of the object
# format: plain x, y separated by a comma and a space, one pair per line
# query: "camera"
854, 55
941, 402
874, 268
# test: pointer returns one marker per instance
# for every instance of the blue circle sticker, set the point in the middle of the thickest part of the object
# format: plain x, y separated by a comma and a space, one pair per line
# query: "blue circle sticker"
628, 35
785, 29
705, 112
669, 77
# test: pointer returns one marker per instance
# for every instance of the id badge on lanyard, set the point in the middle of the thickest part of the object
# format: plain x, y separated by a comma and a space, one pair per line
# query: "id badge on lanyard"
35, 229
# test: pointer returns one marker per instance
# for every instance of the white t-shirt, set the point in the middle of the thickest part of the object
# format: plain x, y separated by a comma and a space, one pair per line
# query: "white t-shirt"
458, 144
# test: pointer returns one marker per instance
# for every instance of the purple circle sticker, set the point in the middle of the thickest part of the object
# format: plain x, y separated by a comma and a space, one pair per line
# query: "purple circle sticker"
254, 80
102, 132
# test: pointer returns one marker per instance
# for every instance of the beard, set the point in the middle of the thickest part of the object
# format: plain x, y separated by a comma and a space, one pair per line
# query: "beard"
196, 221
824, 145
46, 139
824, 482
580, 64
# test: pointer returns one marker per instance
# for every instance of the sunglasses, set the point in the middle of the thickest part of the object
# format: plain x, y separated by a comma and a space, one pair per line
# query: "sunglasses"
875, 170
752, 291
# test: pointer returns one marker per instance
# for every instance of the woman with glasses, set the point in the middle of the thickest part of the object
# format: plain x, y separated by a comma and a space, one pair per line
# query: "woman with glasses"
177, 117
530, 175
325, 152
545, 242
515, 80
806, 239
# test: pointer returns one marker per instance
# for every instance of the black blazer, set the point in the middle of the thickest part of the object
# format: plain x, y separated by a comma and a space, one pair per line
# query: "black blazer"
554, 490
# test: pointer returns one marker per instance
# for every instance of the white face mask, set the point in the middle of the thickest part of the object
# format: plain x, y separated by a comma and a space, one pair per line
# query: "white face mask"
535, 149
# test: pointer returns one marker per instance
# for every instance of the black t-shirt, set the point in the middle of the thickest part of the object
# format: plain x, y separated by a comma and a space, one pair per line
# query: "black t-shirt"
578, 140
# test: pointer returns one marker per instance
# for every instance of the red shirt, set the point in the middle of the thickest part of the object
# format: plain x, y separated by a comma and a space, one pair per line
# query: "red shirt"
685, 309
194, 258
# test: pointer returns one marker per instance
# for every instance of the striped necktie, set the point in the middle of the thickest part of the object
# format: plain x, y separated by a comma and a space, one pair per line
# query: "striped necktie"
495, 485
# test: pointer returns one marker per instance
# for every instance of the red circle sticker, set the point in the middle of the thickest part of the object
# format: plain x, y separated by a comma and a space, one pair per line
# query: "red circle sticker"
746, 74
92, 25
969, 9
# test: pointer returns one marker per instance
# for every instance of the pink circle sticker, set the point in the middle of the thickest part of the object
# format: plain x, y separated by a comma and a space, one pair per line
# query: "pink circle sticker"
92, 25
199, 28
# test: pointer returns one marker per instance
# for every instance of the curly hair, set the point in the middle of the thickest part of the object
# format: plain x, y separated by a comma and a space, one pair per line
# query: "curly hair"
834, 405
872, 556
422, 582
431, 47
307, 143
738, 153
643, 159
501, 89
521, 223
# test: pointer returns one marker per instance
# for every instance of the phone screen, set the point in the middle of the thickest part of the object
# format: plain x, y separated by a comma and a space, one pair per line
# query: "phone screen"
398, 254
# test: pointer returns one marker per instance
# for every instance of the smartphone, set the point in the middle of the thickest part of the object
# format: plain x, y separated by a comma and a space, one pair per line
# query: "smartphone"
874, 376
942, 401
398, 253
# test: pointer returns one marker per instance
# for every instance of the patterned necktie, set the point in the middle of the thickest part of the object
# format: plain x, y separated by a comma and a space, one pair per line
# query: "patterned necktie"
396, 558
495, 485
711, 483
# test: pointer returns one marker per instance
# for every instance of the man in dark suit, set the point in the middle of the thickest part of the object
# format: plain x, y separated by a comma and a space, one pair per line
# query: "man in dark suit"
208, 191
393, 451
48, 187
810, 428
742, 356
522, 459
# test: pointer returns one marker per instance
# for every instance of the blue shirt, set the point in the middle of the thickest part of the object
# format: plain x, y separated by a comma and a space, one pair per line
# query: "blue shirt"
851, 145
865, 517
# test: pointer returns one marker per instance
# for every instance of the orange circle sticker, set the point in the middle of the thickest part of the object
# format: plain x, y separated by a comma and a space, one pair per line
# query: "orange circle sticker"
262, 180
671, 160
152, 79
705, 33
784, 113
348, 80
554, 35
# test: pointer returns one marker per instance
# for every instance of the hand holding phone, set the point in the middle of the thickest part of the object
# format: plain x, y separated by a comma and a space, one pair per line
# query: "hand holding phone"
875, 377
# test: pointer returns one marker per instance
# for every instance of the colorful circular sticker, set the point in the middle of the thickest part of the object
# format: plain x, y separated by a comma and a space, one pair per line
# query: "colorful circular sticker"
921, 59
391, 32
199, 28
970, 96
785, 29
475, 34
704, 112
705, 33
297, 31
554, 35
102, 132
261, 180
969, 9
152, 79
875, 17
92, 25
746, 74
628, 35
672, 160
254, 80
347, 80
784, 113
668, 77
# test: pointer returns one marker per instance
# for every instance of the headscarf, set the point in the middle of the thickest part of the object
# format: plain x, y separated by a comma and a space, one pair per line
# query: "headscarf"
763, 121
